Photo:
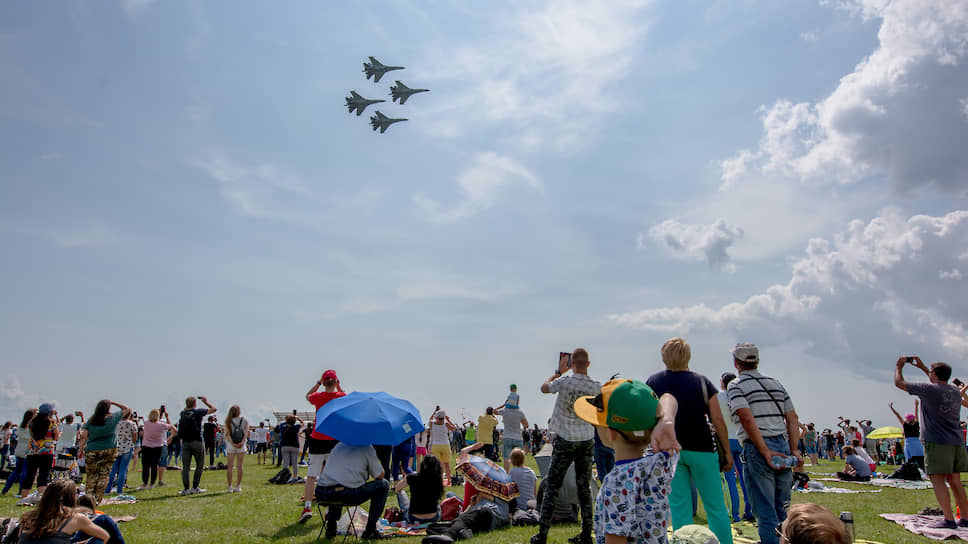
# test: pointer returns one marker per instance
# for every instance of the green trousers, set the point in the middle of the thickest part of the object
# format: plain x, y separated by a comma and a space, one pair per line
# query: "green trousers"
702, 467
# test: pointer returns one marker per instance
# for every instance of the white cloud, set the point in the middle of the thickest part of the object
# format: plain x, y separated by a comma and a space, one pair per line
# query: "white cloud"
810, 36
697, 242
14, 400
964, 108
429, 289
870, 293
551, 73
898, 114
953, 274
480, 185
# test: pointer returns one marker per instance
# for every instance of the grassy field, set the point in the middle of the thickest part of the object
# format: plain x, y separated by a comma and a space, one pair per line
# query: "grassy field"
265, 513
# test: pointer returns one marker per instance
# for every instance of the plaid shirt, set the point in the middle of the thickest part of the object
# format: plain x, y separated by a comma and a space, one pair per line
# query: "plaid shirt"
564, 422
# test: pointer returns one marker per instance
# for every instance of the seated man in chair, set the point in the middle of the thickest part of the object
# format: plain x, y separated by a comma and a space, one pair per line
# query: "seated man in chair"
344, 482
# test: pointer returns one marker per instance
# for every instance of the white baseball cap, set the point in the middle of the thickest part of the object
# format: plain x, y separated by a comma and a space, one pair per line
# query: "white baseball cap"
744, 351
440, 414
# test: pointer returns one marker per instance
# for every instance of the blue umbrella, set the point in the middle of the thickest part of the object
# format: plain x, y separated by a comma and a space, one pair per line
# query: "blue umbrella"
361, 419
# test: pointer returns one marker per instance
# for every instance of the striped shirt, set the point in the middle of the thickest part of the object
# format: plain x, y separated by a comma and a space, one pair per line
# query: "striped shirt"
752, 390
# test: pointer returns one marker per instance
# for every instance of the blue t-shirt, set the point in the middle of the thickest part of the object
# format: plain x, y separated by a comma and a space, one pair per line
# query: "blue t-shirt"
940, 412
686, 386
861, 466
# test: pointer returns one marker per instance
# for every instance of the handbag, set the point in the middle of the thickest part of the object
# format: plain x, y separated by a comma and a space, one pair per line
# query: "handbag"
723, 460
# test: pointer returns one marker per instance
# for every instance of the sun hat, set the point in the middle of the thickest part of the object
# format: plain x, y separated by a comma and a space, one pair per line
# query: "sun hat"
330, 375
440, 414
46, 408
623, 405
744, 351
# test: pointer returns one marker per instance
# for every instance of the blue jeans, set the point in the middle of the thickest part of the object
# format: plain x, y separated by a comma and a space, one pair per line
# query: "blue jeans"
401, 460
375, 491
17, 476
604, 460
769, 489
119, 472
737, 475
105, 522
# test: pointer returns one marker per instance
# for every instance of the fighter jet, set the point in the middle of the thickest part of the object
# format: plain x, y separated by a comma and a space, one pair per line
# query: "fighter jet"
375, 69
402, 92
358, 103
382, 121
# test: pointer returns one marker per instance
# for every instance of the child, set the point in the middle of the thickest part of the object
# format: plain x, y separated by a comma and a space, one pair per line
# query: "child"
633, 502
513, 402
526, 480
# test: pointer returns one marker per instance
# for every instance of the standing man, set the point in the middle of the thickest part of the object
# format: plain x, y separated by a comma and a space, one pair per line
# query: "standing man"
768, 428
573, 444
486, 423
209, 430
944, 451
320, 445
261, 435
514, 424
190, 431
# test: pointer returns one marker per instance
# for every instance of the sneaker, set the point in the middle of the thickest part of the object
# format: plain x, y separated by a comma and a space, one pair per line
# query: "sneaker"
306, 514
185, 492
581, 538
161, 484
749, 517
231, 489
238, 489
198, 490
944, 524
539, 538
962, 522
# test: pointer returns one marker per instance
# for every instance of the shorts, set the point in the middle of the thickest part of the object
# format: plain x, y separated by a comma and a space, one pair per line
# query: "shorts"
441, 452
421, 450
510, 444
261, 447
811, 449
229, 448
163, 460
944, 459
316, 462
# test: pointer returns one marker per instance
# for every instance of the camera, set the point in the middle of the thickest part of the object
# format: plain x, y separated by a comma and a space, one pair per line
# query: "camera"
909, 360
957, 382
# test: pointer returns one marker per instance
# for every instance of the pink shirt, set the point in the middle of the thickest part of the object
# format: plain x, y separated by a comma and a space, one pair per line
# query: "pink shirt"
154, 436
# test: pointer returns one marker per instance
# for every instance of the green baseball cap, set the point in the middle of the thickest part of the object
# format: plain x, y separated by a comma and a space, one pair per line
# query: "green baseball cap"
624, 405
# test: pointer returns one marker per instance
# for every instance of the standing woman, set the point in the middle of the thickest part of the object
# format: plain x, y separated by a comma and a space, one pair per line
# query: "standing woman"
20, 453
98, 445
155, 433
913, 448
127, 435
698, 460
289, 445
236, 435
42, 449
5, 432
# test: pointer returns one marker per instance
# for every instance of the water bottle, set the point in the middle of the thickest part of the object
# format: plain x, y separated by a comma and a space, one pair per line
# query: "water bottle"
848, 519
784, 462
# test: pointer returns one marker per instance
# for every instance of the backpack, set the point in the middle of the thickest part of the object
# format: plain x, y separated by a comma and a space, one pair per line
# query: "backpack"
188, 426
907, 471
237, 432
281, 477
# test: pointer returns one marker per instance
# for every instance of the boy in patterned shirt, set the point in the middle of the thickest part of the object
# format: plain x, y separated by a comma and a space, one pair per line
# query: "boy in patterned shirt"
633, 503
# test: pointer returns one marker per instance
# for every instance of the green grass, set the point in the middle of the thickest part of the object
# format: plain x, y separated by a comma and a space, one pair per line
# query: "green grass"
265, 513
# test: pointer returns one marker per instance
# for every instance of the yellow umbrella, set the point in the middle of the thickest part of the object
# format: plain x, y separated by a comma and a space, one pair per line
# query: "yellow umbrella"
885, 432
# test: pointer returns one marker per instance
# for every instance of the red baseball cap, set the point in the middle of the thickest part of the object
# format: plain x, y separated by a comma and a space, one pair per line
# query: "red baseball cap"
330, 375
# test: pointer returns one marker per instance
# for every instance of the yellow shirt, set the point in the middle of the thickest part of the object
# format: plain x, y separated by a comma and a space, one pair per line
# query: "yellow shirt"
485, 429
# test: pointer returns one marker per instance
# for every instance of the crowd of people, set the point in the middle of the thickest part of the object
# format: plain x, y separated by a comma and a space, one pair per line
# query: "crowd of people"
655, 445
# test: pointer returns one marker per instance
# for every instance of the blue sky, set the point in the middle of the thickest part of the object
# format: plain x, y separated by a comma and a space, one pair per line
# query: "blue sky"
188, 208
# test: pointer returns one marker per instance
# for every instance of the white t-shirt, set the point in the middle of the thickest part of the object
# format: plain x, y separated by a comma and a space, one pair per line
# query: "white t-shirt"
68, 436
723, 399
439, 435
261, 435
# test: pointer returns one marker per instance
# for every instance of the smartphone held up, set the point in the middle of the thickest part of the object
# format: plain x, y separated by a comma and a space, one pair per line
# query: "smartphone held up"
564, 358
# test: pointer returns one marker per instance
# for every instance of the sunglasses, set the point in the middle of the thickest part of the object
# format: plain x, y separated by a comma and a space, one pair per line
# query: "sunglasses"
781, 536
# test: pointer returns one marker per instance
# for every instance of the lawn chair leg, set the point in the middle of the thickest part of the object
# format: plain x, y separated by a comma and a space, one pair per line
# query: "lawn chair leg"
350, 528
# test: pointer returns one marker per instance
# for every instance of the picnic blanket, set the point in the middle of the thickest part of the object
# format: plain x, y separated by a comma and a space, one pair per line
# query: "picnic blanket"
402, 529
831, 489
130, 500
917, 524
887, 482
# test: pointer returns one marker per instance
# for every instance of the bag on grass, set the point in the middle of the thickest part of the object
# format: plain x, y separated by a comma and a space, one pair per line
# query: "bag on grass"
908, 471
393, 514
449, 509
281, 477
359, 521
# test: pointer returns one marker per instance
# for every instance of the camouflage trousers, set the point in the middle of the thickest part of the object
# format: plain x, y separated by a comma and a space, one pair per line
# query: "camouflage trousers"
98, 467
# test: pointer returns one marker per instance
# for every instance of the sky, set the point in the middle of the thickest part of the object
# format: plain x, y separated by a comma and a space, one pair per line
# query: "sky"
187, 207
